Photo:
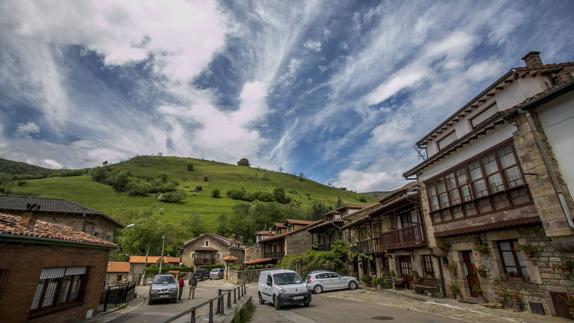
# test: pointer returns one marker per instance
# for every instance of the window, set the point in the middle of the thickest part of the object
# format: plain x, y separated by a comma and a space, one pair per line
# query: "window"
217, 256
405, 265
444, 141
490, 182
207, 243
57, 287
512, 258
427, 265
483, 115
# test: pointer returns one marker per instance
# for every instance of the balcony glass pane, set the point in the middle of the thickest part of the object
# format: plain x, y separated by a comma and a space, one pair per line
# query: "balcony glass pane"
462, 177
466, 195
490, 165
450, 181
484, 206
457, 212
454, 196
480, 188
513, 177
506, 157
475, 171
469, 209
496, 184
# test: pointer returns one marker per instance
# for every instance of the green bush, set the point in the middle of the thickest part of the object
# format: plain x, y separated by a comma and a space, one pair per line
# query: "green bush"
139, 188
243, 162
190, 167
198, 188
241, 195
366, 279
216, 193
263, 196
172, 197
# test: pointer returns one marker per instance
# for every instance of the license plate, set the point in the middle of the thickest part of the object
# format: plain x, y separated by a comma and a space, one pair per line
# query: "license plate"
298, 297
163, 296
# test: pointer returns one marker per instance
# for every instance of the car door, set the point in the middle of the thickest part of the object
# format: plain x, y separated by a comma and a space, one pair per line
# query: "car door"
336, 281
269, 289
323, 280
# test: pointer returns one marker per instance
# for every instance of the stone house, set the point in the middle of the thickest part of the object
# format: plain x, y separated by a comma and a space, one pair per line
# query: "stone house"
496, 190
118, 272
139, 263
209, 249
294, 240
328, 230
63, 212
49, 272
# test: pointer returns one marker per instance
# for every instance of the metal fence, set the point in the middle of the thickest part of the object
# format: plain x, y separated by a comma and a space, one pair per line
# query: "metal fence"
217, 305
113, 296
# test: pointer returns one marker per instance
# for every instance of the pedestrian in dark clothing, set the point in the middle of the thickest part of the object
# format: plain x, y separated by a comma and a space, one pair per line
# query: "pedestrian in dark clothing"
192, 286
181, 282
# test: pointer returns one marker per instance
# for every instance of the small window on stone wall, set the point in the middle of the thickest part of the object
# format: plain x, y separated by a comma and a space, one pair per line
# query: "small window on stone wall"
512, 259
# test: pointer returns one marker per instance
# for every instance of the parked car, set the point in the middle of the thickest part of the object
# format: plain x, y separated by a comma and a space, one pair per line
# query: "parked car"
216, 273
163, 287
201, 274
320, 281
282, 287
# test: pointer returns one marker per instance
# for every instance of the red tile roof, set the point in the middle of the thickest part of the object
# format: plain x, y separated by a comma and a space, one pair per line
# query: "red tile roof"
118, 267
298, 221
11, 228
258, 261
285, 234
153, 259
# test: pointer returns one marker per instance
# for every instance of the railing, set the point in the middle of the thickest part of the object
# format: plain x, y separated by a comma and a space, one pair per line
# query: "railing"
409, 237
201, 261
219, 301
117, 295
323, 246
273, 255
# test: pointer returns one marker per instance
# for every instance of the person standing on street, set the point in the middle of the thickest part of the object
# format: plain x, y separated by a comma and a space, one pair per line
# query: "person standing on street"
181, 282
192, 286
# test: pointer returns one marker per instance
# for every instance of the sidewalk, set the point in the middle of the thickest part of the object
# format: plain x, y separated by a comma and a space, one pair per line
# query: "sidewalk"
447, 308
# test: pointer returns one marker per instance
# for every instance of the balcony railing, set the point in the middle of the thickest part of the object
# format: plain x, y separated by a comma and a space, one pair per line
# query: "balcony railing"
273, 255
323, 246
204, 261
409, 237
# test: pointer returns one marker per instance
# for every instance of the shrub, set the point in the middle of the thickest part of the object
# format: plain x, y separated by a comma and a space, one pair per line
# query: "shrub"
362, 199
139, 188
263, 196
172, 197
366, 279
205, 179
21, 182
279, 195
162, 187
240, 195
216, 193
198, 188
190, 167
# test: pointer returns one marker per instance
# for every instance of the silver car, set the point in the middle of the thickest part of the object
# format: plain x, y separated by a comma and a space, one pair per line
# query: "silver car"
319, 281
163, 287
216, 273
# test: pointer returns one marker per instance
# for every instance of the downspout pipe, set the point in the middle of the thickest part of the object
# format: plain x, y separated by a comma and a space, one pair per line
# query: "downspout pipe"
547, 163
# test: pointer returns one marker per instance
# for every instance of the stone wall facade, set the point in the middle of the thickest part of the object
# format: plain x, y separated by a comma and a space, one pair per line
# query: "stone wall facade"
298, 243
544, 266
238, 277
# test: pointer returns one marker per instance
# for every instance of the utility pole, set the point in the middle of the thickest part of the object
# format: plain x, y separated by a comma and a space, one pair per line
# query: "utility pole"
161, 258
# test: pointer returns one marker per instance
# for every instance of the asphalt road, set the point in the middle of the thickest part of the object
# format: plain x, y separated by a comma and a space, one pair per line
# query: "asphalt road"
328, 309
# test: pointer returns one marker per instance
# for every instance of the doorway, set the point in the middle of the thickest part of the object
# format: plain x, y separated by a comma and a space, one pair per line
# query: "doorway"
471, 274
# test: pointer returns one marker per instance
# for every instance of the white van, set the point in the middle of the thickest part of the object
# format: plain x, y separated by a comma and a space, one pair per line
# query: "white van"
283, 287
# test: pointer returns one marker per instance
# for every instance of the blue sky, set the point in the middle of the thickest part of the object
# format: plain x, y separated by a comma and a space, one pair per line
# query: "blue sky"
338, 90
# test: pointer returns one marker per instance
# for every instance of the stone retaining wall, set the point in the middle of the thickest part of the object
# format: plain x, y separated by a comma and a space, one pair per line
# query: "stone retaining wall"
244, 276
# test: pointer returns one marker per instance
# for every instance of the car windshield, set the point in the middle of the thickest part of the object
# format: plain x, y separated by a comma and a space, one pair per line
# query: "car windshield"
164, 280
287, 279
215, 270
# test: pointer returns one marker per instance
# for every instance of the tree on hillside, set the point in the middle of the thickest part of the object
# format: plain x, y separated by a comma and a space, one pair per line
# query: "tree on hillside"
301, 176
190, 167
318, 209
280, 196
216, 193
243, 162
339, 202
196, 225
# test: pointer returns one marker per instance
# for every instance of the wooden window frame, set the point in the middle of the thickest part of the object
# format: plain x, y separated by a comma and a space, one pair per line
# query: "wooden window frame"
446, 213
514, 252
55, 306
470, 121
427, 265
439, 146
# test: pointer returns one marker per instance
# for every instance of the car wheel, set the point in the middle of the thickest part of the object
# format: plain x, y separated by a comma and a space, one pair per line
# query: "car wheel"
149, 301
318, 289
276, 303
352, 285
261, 301
306, 304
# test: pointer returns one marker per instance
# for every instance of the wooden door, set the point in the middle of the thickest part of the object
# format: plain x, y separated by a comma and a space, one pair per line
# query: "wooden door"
405, 265
471, 274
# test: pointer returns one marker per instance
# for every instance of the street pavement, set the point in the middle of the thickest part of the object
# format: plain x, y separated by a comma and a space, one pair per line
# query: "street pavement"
139, 311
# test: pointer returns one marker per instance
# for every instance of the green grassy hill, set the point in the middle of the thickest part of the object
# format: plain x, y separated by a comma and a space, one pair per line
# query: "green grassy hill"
220, 176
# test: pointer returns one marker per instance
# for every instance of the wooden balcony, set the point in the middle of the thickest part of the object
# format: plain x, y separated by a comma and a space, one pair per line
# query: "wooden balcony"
323, 246
408, 237
204, 261
273, 255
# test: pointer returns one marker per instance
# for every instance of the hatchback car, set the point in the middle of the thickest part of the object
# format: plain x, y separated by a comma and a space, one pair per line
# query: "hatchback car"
320, 281
163, 287
201, 274
216, 273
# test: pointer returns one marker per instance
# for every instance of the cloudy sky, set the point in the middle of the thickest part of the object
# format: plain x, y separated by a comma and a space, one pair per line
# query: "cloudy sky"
338, 90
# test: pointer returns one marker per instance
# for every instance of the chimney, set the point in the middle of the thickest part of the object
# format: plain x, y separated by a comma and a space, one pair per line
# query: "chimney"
28, 218
533, 60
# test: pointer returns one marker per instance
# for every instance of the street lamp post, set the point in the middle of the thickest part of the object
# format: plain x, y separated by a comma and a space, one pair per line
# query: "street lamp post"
161, 257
